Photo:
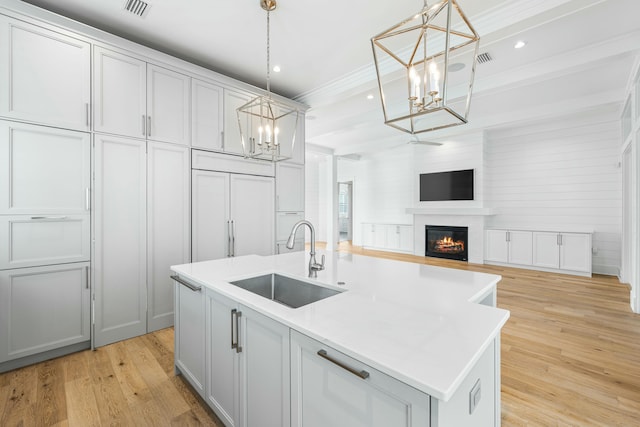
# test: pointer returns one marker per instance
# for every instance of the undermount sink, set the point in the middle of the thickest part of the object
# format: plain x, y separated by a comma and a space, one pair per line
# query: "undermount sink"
291, 292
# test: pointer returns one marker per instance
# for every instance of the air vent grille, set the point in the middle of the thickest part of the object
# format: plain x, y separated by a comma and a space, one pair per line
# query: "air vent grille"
137, 7
484, 58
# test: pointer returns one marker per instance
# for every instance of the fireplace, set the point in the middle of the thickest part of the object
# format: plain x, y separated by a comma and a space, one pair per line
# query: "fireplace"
446, 242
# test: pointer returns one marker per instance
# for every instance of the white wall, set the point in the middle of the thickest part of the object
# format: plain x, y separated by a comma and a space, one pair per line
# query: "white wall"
560, 176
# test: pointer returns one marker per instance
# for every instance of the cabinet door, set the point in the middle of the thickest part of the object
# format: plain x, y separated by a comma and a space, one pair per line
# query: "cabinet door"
119, 90
281, 247
120, 239
575, 252
367, 235
43, 308
545, 249
222, 360
379, 235
232, 142
406, 238
496, 246
392, 237
43, 170
291, 129
168, 105
44, 76
207, 118
324, 393
521, 247
29, 241
210, 234
252, 215
168, 226
190, 335
284, 224
264, 371
289, 187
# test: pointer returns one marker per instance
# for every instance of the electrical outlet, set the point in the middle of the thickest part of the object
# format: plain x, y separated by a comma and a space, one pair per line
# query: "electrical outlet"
474, 396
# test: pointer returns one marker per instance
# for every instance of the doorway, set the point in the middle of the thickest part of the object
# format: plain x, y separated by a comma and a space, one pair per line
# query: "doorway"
345, 211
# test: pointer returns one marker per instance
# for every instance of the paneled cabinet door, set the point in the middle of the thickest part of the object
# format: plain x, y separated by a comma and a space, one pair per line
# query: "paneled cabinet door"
120, 254
496, 246
43, 170
168, 105
289, 187
232, 142
43, 308
119, 89
292, 128
324, 393
190, 335
575, 252
207, 115
168, 226
252, 213
521, 247
545, 249
44, 76
211, 236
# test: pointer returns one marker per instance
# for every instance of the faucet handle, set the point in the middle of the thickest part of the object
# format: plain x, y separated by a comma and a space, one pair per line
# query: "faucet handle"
321, 265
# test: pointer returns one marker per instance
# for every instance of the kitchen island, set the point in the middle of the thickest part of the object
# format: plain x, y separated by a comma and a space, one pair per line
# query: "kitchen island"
400, 344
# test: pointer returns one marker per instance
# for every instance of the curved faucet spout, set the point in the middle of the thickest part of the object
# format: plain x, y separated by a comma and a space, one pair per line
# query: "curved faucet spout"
314, 267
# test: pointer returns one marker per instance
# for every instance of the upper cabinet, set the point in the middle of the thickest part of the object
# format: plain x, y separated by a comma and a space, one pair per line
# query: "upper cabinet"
133, 98
232, 141
207, 115
44, 76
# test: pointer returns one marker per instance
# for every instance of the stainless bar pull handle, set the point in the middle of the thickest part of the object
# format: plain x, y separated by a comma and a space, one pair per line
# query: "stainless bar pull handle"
222, 140
144, 123
49, 217
228, 239
560, 239
508, 236
234, 343
87, 199
86, 113
291, 213
362, 374
86, 277
194, 288
233, 238
148, 125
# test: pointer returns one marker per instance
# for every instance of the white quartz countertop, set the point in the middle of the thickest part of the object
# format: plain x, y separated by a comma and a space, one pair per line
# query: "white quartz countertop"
418, 323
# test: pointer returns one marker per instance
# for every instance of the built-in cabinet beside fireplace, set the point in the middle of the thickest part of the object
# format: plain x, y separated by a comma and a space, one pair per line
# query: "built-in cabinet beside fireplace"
557, 251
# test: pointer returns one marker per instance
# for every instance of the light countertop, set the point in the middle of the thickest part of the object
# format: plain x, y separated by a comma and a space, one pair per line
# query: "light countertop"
418, 323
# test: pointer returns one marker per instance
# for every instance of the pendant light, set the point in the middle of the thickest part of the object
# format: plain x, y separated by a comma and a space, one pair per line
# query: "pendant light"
425, 67
267, 125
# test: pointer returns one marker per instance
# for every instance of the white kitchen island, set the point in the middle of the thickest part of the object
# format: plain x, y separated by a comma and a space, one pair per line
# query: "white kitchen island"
403, 344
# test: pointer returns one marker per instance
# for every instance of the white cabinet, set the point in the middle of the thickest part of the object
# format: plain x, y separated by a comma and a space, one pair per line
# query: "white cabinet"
168, 226
133, 98
289, 187
388, 237
509, 246
190, 333
44, 76
247, 365
43, 170
568, 252
232, 141
232, 215
43, 308
120, 254
207, 115
332, 389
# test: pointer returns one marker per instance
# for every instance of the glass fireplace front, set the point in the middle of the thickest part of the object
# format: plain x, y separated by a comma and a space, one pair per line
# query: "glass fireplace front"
443, 241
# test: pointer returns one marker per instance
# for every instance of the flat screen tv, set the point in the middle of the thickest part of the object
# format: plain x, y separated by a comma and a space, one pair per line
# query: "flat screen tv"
452, 185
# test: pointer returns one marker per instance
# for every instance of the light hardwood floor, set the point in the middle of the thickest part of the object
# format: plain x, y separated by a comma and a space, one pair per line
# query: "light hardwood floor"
570, 357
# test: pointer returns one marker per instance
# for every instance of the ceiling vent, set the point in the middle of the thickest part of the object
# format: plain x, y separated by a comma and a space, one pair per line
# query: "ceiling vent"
137, 7
484, 58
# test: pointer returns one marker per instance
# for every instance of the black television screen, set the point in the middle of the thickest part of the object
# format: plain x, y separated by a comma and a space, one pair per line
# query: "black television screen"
453, 185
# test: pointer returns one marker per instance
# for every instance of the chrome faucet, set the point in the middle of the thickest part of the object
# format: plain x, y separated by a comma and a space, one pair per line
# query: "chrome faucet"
314, 267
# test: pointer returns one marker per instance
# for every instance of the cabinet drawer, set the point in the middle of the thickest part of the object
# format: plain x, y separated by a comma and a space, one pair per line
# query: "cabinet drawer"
41, 240
43, 308
227, 163
285, 222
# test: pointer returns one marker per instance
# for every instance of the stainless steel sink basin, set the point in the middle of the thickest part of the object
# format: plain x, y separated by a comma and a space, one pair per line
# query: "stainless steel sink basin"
285, 290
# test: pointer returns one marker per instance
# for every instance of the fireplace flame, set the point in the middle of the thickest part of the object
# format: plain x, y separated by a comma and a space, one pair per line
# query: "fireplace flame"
447, 244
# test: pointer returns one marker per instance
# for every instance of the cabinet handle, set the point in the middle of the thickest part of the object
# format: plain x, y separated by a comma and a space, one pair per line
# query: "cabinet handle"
362, 374
149, 126
228, 239
49, 217
222, 140
560, 239
235, 324
508, 236
144, 128
194, 288
291, 213
86, 111
87, 199
86, 277
233, 238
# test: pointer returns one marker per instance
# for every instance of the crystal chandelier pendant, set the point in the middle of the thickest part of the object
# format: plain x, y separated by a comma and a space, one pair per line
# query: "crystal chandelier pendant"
267, 125
425, 67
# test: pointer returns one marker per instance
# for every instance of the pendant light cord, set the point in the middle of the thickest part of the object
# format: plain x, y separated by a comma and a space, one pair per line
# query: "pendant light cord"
268, 55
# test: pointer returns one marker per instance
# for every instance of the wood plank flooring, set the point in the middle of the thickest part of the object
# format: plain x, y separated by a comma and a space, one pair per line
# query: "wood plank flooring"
570, 357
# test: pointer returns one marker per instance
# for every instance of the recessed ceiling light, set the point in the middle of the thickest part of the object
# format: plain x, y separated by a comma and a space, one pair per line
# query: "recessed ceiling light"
456, 66
370, 96
520, 44
276, 69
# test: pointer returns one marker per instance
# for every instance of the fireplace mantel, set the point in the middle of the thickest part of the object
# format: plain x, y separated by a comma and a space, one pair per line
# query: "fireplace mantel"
451, 211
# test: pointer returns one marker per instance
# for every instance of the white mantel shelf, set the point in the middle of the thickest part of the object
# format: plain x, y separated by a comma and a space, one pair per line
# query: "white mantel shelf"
451, 211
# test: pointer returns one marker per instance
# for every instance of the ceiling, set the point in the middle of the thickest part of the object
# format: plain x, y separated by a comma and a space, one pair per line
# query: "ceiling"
578, 59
